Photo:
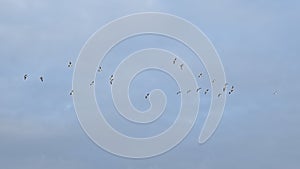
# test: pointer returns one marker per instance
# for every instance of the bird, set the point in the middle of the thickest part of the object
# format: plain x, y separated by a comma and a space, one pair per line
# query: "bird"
188, 91
174, 60
200, 75
147, 95
70, 64
25, 76
178, 92
206, 91
111, 79
42, 79
181, 66
198, 89
219, 94
92, 83
224, 88
72, 92
99, 69
231, 91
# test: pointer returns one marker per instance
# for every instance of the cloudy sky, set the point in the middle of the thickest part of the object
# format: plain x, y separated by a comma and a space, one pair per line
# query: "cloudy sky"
258, 43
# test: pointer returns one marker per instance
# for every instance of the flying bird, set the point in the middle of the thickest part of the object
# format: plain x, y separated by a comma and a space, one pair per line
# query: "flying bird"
111, 79
219, 94
188, 91
200, 75
92, 83
99, 69
178, 92
198, 89
174, 60
72, 92
224, 88
25, 76
181, 66
206, 91
70, 64
42, 79
147, 95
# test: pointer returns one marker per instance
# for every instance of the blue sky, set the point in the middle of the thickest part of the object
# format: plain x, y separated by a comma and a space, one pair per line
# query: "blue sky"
257, 42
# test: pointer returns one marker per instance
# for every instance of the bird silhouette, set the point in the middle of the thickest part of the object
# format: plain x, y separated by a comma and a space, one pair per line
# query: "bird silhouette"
70, 64
25, 76
111, 79
219, 94
198, 89
206, 91
147, 95
92, 83
174, 60
42, 79
72, 92
181, 66
224, 88
200, 75
188, 91
99, 69
179, 92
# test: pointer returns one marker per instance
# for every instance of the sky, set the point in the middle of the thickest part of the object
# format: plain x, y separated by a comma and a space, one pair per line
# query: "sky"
257, 42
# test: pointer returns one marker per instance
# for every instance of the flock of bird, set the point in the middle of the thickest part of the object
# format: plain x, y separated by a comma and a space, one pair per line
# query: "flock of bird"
181, 66
200, 75
111, 79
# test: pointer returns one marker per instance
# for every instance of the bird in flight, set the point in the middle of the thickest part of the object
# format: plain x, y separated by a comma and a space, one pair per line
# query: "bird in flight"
198, 89
25, 76
206, 91
111, 79
92, 83
147, 95
200, 75
42, 79
231, 90
225, 86
219, 94
178, 92
181, 66
188, 91
72, 92
70, 64
99, 69
174, 60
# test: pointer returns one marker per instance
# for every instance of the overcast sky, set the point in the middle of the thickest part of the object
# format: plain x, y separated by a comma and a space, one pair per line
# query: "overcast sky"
258, 43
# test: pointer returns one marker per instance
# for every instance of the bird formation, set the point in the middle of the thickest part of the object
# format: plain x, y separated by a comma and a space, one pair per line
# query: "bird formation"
111, 79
